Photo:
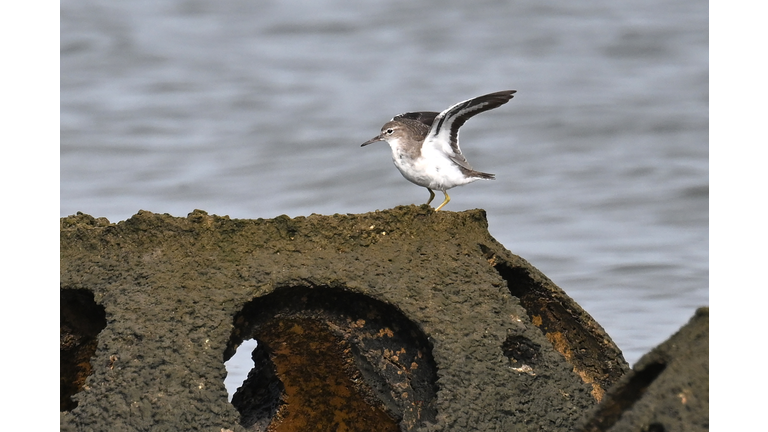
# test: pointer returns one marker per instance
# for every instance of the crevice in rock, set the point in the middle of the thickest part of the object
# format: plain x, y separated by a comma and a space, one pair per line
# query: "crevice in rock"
572, 333
623, 398
81, 320
330, 358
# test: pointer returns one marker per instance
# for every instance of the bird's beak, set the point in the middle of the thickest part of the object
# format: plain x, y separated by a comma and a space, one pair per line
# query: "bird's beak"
371, 141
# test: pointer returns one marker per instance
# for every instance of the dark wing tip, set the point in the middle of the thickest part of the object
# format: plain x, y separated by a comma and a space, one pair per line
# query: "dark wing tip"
504, 95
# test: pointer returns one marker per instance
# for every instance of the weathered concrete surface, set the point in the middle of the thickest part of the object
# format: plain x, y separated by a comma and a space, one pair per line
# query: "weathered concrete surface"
667, 390
422, 314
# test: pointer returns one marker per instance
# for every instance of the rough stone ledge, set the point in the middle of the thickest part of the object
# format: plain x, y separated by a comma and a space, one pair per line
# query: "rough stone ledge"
404, 319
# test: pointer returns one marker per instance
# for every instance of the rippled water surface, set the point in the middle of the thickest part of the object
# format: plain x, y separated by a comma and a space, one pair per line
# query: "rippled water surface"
257, 109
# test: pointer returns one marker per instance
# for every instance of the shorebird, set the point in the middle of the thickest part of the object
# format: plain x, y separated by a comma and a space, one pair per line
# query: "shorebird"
425, 144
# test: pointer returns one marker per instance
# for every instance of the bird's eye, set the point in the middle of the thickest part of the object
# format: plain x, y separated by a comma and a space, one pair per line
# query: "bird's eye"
389, 131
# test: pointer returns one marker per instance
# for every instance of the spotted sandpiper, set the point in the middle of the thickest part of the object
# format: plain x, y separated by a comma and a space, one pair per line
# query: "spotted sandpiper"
425, 144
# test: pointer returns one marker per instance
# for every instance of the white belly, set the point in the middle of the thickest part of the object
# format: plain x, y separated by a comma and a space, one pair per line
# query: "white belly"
434, 171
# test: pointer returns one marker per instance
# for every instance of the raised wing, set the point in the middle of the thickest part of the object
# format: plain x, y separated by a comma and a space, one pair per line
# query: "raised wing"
444, 134
425, 117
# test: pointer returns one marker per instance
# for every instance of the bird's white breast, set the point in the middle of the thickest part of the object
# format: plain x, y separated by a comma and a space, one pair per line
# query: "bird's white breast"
431, 168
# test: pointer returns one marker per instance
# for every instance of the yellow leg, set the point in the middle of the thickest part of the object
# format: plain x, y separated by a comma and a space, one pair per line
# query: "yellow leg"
431, 196
447, 198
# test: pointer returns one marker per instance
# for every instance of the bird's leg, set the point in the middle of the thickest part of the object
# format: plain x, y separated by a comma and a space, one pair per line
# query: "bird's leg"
447, 198
431, 196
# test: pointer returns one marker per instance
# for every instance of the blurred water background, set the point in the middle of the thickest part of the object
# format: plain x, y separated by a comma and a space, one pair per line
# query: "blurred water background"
258, 108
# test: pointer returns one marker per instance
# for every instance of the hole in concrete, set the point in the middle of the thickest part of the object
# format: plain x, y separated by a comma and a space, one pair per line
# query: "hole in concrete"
570, 330
238, 366
261, 393
81, 320
519, 349
330, 359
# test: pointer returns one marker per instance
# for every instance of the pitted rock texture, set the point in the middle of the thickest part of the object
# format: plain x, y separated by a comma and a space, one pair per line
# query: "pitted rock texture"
423, 315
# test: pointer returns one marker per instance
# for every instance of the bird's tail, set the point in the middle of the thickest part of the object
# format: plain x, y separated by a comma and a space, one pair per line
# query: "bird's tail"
467, 171
482, 175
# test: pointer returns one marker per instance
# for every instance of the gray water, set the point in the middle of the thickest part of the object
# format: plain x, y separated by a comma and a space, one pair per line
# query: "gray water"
258, 108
